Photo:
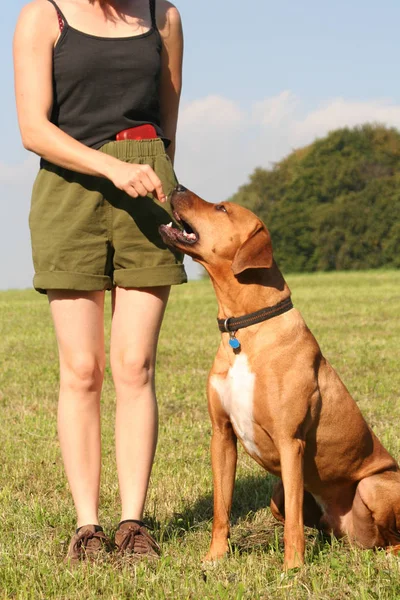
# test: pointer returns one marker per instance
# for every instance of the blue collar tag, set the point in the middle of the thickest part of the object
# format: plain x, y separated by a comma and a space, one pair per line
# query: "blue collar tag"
234, 343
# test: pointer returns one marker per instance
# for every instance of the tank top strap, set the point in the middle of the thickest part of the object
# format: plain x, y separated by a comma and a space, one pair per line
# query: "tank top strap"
61, 18
153, 13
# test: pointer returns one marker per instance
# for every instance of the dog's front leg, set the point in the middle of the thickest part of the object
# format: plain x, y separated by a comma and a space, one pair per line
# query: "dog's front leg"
292, 467
223, 460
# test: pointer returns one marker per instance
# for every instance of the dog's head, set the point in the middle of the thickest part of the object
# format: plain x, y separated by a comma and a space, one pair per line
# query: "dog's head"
215, 234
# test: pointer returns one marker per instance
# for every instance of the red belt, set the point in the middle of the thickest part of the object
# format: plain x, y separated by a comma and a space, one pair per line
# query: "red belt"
141, 132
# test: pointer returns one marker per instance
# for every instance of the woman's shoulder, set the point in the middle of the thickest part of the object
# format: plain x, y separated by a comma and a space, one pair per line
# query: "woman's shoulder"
38, 7
167, 16
38, 12
37, 24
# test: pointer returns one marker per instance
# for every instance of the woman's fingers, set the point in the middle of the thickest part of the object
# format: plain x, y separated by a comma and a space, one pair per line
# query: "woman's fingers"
140, 188
138, 180
150, 180
146, 181
157, 185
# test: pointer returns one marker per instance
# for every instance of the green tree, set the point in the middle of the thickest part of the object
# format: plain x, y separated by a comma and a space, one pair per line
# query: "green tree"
334, 204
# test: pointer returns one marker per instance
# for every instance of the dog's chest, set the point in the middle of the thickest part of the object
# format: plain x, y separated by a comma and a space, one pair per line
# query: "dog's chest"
236, 392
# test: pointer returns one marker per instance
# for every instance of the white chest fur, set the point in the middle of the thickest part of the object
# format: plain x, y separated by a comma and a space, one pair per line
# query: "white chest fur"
236, 392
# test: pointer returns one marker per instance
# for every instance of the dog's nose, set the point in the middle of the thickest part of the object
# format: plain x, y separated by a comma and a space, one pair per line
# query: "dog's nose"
180, 188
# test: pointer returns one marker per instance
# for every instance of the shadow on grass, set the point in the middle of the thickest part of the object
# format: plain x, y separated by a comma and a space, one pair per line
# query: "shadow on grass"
257, 537
251, 494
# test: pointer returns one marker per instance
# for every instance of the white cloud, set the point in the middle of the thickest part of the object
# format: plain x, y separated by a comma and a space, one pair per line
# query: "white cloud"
273, 111
15, 251
341, 113
210, 113
21, 172
220, 143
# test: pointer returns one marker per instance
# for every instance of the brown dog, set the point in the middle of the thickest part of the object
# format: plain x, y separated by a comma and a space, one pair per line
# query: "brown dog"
279, 395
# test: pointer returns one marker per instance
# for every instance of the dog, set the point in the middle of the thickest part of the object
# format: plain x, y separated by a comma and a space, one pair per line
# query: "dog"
271, 388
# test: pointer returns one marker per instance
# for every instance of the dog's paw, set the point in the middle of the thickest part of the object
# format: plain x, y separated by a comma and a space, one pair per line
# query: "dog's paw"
293, 562
215, 554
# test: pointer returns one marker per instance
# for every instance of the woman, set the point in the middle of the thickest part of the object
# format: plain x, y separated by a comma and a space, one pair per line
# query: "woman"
97, 87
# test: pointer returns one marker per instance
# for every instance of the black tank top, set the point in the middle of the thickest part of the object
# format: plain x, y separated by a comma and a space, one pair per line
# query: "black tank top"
103, 85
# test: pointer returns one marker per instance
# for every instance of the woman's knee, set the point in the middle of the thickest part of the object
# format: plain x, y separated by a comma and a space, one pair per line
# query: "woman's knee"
132, 371
82, 372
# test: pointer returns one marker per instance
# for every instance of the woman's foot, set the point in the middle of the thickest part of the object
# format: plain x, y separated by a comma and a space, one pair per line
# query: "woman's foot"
88, 543
132, 537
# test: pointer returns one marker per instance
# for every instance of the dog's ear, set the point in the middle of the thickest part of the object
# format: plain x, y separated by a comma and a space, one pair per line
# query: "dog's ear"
254, 253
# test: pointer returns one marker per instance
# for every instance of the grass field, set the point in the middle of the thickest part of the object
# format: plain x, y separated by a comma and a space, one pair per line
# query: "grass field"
355, 317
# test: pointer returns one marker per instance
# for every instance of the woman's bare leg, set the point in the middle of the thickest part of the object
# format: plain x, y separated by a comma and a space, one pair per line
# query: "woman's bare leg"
78, 321
137, 318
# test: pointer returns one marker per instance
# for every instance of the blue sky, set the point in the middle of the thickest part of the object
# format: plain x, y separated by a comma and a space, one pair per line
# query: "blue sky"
260, 78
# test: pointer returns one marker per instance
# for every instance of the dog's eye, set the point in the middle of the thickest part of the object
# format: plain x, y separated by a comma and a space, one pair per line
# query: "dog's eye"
220, 207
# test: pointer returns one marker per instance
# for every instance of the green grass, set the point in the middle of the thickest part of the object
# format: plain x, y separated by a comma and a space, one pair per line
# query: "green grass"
355, 317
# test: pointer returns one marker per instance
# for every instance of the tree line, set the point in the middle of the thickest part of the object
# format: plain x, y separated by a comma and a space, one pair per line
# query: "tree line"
334, 204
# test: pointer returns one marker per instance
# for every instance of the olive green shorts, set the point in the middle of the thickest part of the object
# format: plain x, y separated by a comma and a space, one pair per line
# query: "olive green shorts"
88, 235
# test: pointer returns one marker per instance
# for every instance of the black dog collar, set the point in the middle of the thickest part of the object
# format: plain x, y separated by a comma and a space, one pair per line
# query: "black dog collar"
232, 324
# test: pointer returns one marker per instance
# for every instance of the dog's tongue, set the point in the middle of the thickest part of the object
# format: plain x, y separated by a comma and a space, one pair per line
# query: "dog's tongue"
189, 236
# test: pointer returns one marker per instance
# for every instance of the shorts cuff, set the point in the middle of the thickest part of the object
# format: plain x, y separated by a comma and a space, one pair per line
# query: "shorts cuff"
150, 276
64, 280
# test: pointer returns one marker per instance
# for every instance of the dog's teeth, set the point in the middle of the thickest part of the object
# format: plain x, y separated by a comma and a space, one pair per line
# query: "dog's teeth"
185, 233
169, 224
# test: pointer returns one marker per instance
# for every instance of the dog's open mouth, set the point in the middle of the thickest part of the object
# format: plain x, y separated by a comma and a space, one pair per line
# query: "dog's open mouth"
186, 235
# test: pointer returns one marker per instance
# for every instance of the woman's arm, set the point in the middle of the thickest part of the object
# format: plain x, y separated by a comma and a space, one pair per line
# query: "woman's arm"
170, 28
35, 36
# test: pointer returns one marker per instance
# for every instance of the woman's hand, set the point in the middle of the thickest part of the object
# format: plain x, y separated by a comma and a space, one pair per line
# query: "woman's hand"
136, 180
